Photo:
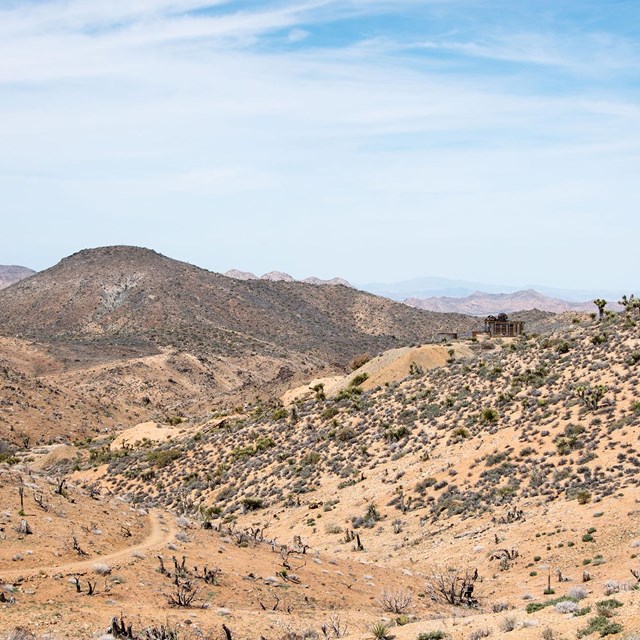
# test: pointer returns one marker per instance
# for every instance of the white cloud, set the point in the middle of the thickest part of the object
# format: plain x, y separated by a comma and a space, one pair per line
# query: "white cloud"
297, 35
589, 52
138, 110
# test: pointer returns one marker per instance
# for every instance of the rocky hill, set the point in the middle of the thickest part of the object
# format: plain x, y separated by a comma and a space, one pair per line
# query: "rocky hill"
280, 276
481, 303
159, 338
135, 296
10, 274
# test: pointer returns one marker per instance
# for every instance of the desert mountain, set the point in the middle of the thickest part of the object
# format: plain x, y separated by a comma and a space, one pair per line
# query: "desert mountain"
330, 281
10, 274
129, 295
136, 331
481, 303
240, 275
280, 276
435, 287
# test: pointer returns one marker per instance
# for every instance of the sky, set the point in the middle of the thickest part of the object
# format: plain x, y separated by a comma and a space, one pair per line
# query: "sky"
377, 140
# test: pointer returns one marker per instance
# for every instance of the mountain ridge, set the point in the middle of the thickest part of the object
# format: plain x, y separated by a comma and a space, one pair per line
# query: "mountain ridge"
281, 276
429, 287
481, 303
131, 293
164, 337
10, 274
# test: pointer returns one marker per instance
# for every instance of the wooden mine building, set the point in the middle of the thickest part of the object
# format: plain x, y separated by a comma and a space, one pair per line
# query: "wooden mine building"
502, 326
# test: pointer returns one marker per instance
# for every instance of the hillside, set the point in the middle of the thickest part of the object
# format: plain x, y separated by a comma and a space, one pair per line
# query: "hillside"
509, 466
135, 296
38, 409
481, 303
515, 468
12, 274
150, 337
568, 401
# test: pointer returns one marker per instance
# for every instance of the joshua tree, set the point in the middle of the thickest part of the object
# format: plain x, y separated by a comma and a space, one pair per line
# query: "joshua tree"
591, 396
601, 304
627, 303
631, 304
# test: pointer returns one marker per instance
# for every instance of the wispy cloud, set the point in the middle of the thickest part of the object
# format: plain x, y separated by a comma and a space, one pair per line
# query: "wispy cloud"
318, 115
588, 52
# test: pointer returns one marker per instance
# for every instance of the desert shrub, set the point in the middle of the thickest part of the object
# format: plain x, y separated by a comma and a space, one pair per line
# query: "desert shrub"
509, 623
360, 360
601, 625
163, 457
583, 497
280, 414
345, 434
495, 458
566, 606
380, 631
263, 443
607, 607
432, 635
423, 485
579, 593
252, 504
396, 601
532, 607
478, 634
329, 412
21, 633
395, 435
489, 416
356, 381
102, 569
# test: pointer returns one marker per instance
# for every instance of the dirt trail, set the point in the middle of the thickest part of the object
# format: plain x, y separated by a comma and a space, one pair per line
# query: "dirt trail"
161, 534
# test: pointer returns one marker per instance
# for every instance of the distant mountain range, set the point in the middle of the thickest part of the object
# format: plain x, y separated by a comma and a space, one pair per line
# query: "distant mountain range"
481, 303
137, 297
458, 296
445, 287
10, 274
443, 295
279, 276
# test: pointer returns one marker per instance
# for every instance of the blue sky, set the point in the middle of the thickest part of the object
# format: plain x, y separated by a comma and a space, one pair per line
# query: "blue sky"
496, 141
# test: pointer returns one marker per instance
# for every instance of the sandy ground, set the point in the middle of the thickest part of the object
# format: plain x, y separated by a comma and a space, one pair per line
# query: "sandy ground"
390, 366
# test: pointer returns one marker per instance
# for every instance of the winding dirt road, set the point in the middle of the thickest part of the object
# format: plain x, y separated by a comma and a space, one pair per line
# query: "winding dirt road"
161, 534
